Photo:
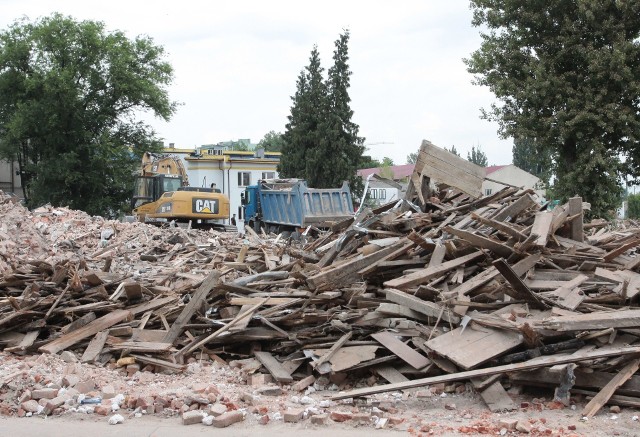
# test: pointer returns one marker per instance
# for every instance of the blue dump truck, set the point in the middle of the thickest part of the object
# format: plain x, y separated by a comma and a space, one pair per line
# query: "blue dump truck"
287, 205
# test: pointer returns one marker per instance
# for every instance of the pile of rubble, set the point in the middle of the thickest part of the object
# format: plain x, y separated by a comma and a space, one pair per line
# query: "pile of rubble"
443, 289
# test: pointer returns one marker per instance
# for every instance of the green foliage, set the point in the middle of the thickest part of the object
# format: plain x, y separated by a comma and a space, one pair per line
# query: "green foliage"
321, 143
385, 168
477, 156
367, 162
412, 158
633, 211
272, 142
387, 162
567, 74
452, 150
68, 95
533, 157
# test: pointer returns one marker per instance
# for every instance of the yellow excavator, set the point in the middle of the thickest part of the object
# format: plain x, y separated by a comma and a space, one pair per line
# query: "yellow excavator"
162, 195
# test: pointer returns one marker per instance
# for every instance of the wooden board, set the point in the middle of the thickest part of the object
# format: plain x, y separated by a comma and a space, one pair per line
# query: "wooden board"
401, 350
198, 298
607, 391
92, 328
495, 396
474, 345
390, 373
542, 227
95, 347
577, 230
481, 242
544, 361
430, 309
594, 321
273, 366
446, 168
422, 276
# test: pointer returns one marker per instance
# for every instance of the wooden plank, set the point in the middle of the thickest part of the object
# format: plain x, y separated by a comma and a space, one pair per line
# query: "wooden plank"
401, 350
542, 227
331, 352
620, 276
438, 255
482, 242
515, 208
92, 328
577, 230
395, 310
569, 294
346, 273
603, 396
495, 396
303, 383
501, 227
439, 165
95, 347
471, 346
273, 366
25, 343
153, 304
613, 254
422, 276
198, 298
594, 321
430, 309
518, 285
544, 361
390, 373
159, 362
142, 346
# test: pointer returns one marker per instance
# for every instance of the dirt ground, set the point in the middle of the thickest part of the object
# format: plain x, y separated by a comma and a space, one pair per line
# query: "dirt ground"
206, 383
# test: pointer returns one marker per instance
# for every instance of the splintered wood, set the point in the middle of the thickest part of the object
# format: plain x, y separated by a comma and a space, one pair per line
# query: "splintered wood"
441, 286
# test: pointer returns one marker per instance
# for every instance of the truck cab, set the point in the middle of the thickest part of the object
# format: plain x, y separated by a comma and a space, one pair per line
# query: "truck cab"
249, 200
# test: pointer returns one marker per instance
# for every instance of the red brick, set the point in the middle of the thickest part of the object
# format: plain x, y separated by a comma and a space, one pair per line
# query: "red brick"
340, 416
228, 419
44, 393
102, 410
54, 403
293, 415
319, 419
192, 417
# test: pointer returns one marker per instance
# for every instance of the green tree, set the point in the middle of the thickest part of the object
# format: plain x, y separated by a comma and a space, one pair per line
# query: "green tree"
412, 158
340, 148
302, 132
385, 168
477, 156
69, 93
567, 73
272, 142
533, 158
633, 211
453, 150
367, 162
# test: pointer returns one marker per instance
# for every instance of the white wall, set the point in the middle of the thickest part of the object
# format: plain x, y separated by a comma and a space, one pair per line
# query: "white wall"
514, 176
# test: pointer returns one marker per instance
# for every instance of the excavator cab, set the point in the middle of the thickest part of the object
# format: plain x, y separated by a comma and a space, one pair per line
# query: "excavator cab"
149, 188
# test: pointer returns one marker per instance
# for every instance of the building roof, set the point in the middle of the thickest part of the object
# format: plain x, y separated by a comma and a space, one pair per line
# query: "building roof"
399, 171
493, 168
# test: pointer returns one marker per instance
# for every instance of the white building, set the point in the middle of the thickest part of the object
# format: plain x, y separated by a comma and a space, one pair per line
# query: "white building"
230, 171
10, 178
511, 176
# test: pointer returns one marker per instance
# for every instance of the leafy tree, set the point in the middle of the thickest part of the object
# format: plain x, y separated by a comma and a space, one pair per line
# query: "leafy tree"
412, 158
567, 74
272, 142
527, 156
302, 132
69, 92
633, 211
477, 156
385, 168
367, 162
452, 150
388, 162
340, 148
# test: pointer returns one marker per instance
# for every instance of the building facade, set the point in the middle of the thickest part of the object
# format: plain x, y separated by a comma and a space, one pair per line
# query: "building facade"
228, 170
510, 175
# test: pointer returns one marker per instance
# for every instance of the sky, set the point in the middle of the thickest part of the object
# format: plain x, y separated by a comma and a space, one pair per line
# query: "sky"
236, 66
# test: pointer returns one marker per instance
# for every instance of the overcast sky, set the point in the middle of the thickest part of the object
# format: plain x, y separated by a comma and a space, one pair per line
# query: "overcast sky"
236, 65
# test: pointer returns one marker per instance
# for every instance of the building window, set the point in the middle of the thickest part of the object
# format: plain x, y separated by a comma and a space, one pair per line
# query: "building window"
244, 178
488, 192
373, 193
268, 175
214, 152
383, 194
